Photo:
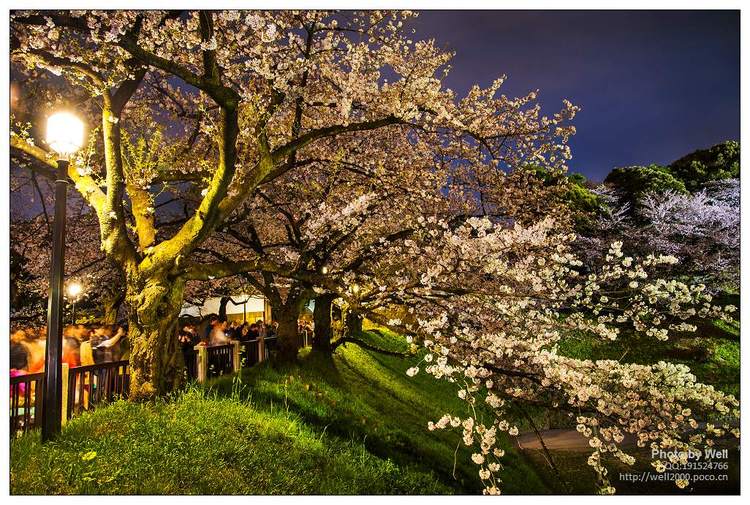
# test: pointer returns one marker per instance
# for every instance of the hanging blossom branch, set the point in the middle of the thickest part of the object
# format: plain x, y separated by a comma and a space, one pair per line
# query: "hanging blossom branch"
519, 291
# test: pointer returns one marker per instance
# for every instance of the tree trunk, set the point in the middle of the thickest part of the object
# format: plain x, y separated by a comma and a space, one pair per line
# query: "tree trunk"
322, 318
287, 335
353, 322
111, 307
156, 363
223, 308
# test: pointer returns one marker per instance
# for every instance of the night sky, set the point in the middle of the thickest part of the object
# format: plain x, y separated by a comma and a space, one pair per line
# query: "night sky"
652, 86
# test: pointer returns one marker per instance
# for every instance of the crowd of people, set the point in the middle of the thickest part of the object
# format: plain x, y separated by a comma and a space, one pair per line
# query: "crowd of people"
95, 344
82, 345
215, 331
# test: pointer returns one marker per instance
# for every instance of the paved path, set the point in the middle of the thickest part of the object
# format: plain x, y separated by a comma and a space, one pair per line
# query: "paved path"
570, 440
559, 439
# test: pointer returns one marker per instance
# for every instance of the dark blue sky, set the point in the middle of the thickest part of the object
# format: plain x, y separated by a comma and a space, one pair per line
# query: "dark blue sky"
653, 85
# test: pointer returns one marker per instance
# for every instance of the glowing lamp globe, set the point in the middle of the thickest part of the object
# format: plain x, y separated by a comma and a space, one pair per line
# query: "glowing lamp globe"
64, 133
74, 289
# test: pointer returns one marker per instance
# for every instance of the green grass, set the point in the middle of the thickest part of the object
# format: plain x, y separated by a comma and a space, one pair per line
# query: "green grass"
353, 424
202, 444
713, 353
730, 328
367, 397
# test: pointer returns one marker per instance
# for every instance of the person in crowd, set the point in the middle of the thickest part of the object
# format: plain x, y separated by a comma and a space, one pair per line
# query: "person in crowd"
19, 353
188, 336
188, 340
262, 330
111, 346
233, 332
98, 336
74, 335
124, 346
218, 334
273, 329
244, 332
305, 326
36, 344
206, 326
304, 330
82, 346
253, 331
71, 351
86, 353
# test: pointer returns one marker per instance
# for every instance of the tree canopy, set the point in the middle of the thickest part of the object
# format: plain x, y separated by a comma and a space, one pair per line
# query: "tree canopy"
321, 153
700, 167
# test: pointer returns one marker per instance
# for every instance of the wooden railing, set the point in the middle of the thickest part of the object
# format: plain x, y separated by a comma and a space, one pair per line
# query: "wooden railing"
89, 386
26, 402
270, 346
250, 352
306, 337
220, 359
85, 387
190, 357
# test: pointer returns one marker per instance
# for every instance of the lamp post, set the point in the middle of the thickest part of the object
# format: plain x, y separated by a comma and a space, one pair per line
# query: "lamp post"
65, 137
74, 289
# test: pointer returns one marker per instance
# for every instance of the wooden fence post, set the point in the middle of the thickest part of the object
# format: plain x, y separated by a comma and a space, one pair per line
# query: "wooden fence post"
261, 350
64, 395
236, 355
201, 362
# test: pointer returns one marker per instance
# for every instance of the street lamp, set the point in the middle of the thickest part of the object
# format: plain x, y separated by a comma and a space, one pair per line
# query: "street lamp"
64, 134
74, 289
65, 137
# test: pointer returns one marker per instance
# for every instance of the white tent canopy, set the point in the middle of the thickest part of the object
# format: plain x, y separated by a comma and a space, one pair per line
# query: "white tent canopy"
211, 306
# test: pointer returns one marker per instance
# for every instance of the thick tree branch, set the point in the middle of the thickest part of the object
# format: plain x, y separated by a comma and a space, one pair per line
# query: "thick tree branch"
222, 95
126, 91
115, 237
210, 271
303, 140
85, 184
208, 214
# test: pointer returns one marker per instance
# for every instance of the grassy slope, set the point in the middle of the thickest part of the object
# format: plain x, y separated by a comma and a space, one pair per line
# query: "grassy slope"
352, 425
713, 354
367, 397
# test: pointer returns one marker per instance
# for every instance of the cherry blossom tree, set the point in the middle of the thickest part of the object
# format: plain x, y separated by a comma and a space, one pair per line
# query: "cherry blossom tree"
315, 225
700, 229
492, 303
228, 102
30, 233
361, 198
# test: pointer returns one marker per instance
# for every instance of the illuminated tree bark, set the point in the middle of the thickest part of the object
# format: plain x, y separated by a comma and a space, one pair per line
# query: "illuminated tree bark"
155, 358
